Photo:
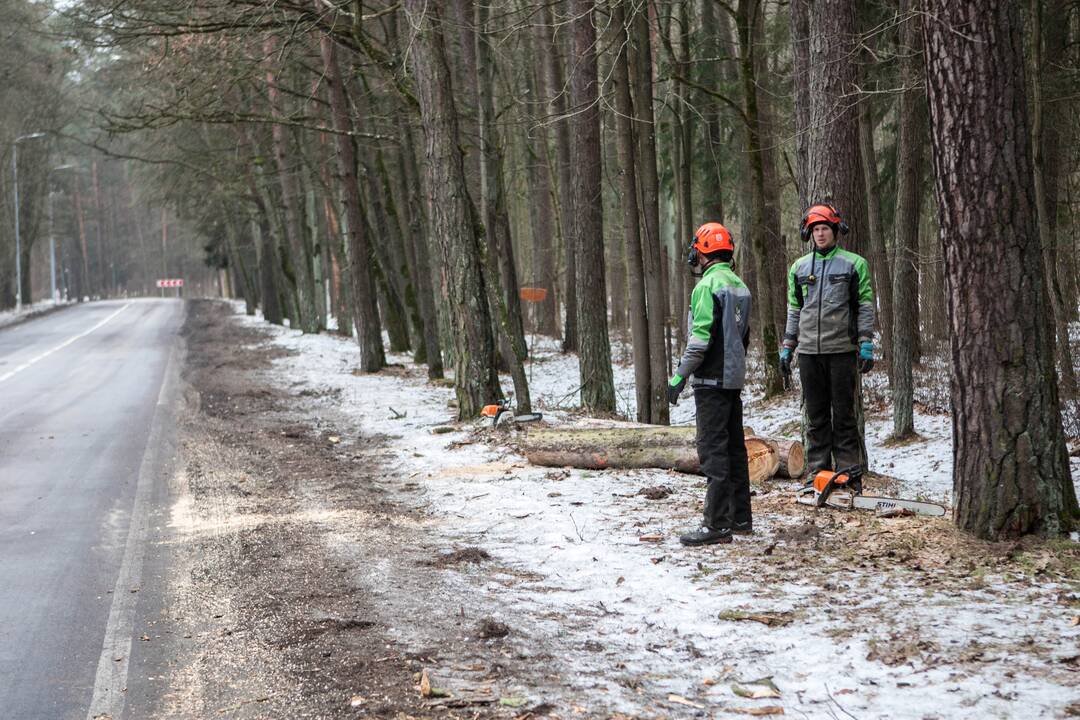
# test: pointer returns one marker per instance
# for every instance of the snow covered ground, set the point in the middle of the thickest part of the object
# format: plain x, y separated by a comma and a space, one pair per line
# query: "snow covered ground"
9, 317
895, 625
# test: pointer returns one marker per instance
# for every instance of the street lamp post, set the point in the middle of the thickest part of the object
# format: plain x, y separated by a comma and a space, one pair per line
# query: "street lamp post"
18, 245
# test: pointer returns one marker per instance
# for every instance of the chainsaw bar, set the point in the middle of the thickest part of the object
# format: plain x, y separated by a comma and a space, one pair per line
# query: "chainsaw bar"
847, 501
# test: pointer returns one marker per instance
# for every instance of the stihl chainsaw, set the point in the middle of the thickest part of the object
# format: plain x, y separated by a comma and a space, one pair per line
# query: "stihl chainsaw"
843, 489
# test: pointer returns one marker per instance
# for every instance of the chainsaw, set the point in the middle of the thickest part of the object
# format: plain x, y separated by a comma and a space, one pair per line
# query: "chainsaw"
501, 413
843, 489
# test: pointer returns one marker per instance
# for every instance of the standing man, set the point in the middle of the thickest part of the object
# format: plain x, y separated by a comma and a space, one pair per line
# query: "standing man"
719, 331
830, 321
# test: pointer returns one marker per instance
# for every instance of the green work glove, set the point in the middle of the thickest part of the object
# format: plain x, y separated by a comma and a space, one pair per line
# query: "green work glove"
785, 360
866, 356
674, 388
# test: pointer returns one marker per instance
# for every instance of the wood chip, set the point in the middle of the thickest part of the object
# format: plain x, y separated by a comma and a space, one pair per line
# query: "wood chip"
680, 700
759, 711
425, 685
772, 619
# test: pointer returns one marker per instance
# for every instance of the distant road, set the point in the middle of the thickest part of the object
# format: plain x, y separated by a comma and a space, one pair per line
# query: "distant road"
85, 431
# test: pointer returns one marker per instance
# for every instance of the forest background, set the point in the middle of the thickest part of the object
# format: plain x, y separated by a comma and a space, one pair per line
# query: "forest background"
452, 178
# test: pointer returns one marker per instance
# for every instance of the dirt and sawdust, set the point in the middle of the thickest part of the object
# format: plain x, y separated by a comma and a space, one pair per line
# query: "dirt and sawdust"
283, 532
316, 580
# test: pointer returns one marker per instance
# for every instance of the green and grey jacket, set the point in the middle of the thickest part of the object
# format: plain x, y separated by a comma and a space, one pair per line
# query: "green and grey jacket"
830, 303
719, 330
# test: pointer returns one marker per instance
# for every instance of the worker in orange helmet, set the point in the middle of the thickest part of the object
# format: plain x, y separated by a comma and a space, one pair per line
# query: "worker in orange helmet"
714, 363
830, 326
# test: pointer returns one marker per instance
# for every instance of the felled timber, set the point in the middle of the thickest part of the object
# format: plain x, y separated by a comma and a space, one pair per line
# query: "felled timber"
651, 446
792, 459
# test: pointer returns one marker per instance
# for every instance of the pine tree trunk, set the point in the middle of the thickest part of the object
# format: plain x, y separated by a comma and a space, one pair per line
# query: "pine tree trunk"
388, 263
1010, 469
476, 382
341, 298
300, 265
656, 286
684, 145
268, 289
597, 383
241, 271
768, 132
553, 69
834, 169
715, 45
747, 18
84, 255
420, 240
639, 322
878, 257
800, 82
1044, 140
365, 310
909, 191
543, 205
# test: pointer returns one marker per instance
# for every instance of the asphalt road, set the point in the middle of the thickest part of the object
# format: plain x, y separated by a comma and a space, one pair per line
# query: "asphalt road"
86, 402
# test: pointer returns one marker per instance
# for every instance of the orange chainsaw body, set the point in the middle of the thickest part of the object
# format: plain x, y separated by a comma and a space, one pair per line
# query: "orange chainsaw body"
824, 477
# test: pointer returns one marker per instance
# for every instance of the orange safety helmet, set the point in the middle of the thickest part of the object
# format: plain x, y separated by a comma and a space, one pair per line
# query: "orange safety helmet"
709, 238
822, 214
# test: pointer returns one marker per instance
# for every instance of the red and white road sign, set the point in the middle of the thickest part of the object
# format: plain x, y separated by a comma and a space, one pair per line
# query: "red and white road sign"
170, 282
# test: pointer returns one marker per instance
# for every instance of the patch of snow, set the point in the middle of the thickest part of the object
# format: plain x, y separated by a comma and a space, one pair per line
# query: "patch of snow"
632, 621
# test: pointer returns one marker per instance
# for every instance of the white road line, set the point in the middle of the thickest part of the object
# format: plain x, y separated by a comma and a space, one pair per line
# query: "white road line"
11, 373
110, 683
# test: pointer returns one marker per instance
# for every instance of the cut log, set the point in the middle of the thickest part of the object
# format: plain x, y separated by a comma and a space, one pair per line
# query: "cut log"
792, 459
666, 448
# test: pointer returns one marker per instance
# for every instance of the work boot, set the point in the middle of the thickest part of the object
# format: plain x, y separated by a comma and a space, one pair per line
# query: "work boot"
705, 535
746, 527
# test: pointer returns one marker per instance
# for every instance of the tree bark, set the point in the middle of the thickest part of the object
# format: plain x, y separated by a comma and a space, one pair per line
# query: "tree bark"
1043, 142
628, 188
905, 278
504, 287
102, 283
768, 132
748, 23
308, 319
553, 70
84, 254
656, 281
597, 382
683, 141
420, 240
1010, 468
800, 82
834, 170
268, 289
668, 448
878, 255
717, 49
365, 309
476, 382
543, 208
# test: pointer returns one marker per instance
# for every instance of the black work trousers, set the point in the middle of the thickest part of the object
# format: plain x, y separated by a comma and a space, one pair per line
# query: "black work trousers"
832, 435
721, 451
